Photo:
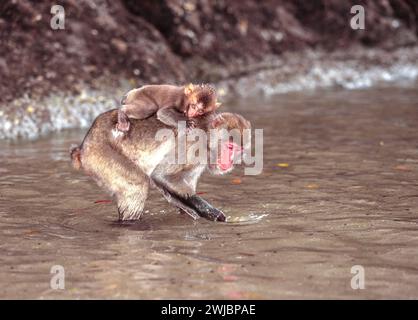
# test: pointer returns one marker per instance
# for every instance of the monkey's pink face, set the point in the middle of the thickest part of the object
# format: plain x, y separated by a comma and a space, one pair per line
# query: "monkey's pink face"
229, 145
195, 110
229, 151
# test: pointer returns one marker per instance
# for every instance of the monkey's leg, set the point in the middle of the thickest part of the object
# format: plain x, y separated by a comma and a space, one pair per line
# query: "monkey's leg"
122, 178
138, 110
131, 201
170, 116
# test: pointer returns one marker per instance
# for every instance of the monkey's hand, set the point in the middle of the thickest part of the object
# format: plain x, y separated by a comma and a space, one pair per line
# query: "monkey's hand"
204, 209
190, 125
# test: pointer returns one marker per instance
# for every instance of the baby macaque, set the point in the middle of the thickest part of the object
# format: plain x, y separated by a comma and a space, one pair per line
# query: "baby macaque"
171, 104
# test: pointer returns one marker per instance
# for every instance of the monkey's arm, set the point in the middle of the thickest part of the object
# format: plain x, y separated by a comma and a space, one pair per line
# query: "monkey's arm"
204, 209
192, 204
177, 201
170, 116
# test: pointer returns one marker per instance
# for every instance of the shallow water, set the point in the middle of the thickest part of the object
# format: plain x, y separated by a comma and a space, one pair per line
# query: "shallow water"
349, 196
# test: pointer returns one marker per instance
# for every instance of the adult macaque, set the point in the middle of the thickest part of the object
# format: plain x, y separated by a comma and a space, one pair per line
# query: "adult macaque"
127, 166
170, 103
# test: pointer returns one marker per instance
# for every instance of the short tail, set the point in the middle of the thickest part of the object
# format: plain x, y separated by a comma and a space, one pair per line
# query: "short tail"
75, 152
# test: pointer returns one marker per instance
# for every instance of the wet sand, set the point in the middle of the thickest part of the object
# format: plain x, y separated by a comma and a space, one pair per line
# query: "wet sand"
349, 196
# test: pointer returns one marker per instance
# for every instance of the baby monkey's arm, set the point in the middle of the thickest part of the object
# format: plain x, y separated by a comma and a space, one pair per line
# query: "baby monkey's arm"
171, 116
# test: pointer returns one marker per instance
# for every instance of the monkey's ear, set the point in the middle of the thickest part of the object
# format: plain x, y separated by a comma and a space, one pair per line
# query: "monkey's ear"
188, 90
217, 105
217, 121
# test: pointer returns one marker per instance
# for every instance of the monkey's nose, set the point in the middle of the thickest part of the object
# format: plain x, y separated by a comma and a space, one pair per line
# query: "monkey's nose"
192, 113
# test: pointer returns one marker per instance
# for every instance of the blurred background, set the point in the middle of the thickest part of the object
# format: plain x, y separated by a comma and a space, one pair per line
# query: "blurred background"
245, 47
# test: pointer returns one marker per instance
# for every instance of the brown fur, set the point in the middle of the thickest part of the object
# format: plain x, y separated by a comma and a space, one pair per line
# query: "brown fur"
170, 96
161, 96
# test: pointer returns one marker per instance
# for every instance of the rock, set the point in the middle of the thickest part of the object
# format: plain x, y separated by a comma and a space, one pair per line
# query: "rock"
185, 40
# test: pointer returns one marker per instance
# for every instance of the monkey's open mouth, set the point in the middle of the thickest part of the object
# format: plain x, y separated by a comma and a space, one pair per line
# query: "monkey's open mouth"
224, 166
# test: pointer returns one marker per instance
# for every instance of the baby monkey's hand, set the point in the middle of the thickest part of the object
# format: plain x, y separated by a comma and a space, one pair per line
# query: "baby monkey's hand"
190, 125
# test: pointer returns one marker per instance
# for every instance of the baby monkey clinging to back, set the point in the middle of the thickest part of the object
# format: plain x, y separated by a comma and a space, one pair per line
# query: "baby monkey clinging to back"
171, 103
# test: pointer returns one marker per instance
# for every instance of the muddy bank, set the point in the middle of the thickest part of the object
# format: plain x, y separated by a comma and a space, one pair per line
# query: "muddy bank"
176, 41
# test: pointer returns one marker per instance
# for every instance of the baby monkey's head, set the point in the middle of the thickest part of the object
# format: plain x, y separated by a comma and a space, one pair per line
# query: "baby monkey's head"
200, 99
